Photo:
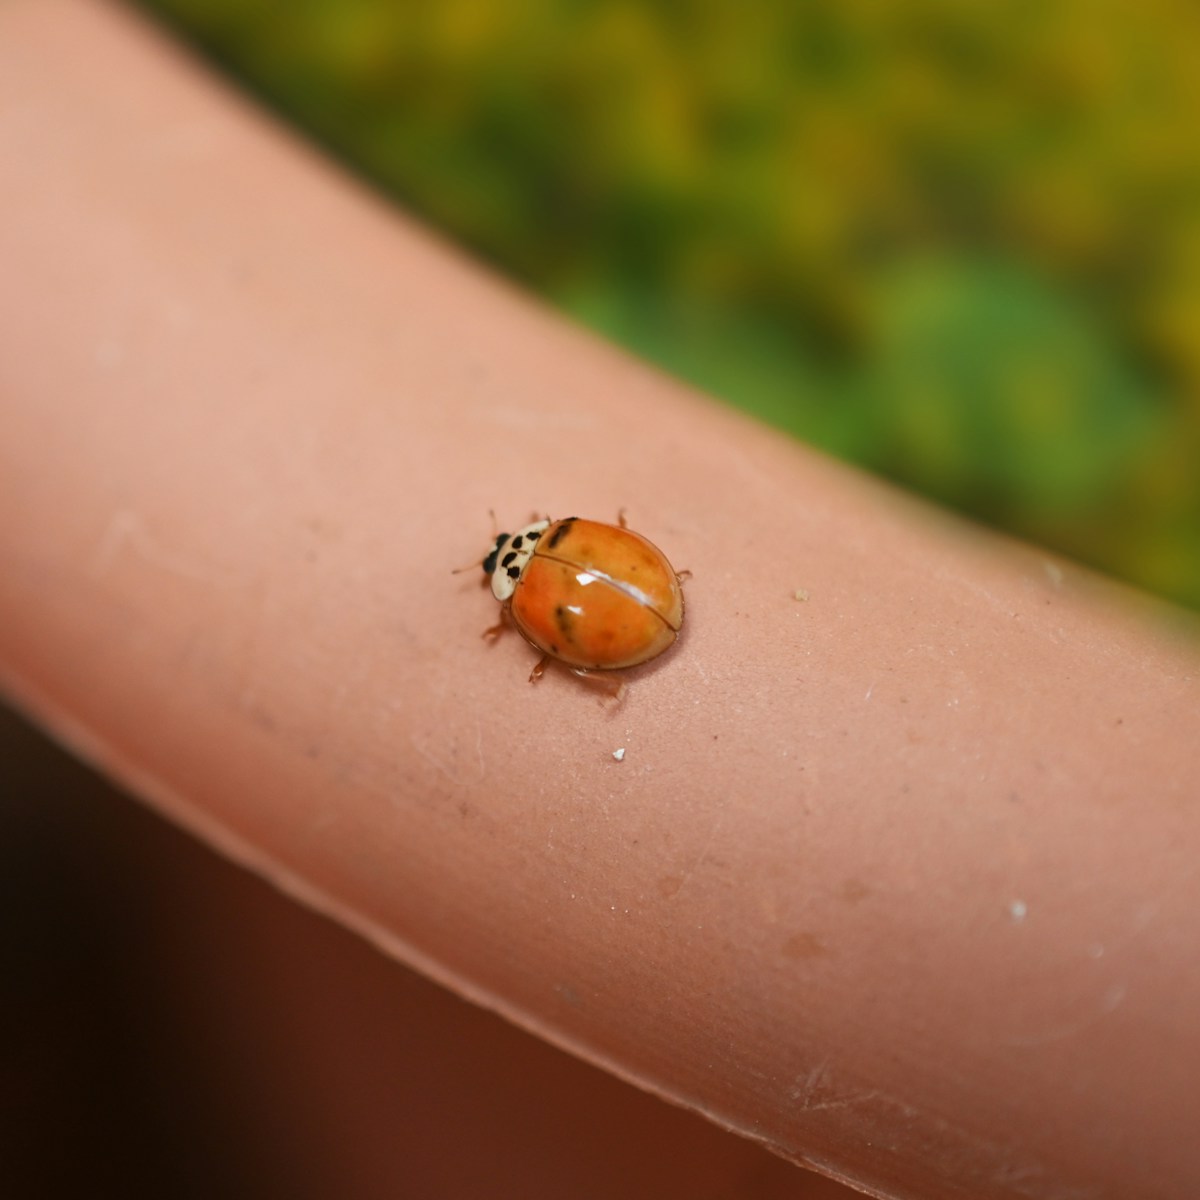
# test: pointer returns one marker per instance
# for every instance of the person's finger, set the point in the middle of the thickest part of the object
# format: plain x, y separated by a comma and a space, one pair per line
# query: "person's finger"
897, 878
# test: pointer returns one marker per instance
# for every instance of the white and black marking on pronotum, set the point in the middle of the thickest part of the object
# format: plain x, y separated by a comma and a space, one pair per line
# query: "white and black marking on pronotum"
510, 556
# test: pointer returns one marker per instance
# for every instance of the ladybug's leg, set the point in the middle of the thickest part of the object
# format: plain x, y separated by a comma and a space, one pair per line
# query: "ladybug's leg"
624, 524
538, 668
613, 686
684, 575
494, 631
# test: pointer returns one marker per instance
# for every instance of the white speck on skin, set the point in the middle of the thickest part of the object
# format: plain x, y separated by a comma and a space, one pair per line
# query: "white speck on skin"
800, 594
1054, 573
1096, 950
1018, 910
619, 754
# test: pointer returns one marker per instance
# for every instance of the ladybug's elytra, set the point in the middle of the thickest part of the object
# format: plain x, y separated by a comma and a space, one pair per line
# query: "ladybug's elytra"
596, 597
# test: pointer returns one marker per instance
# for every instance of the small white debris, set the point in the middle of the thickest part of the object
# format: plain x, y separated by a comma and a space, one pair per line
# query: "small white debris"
1018, 910
800, 594
619, 754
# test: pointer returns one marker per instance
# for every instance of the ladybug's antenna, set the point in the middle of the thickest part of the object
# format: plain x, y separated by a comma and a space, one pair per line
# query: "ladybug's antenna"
496, 536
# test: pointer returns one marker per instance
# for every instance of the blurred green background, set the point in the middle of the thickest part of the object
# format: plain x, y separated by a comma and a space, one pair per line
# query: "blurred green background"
958, 244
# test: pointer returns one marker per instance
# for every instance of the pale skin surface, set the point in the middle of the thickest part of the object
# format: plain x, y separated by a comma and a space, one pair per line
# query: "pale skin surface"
898, 879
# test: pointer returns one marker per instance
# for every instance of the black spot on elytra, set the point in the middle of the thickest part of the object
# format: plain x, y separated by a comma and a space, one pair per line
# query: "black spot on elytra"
514, 572
508, 559
562, 618
517, 542
553, 648
534, 534
562, 531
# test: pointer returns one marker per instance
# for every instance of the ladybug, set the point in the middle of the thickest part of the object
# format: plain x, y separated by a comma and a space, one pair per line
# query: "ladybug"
596, 597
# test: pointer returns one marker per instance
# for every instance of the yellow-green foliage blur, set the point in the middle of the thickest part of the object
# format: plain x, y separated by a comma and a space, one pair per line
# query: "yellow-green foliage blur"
958, 243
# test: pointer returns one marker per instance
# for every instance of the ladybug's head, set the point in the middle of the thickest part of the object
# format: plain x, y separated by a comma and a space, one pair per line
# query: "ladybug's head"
489, 563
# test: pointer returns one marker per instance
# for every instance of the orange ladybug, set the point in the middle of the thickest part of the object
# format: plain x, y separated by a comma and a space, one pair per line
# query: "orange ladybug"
596, 597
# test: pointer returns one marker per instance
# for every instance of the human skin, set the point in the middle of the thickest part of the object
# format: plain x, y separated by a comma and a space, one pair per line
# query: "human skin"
897, 879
